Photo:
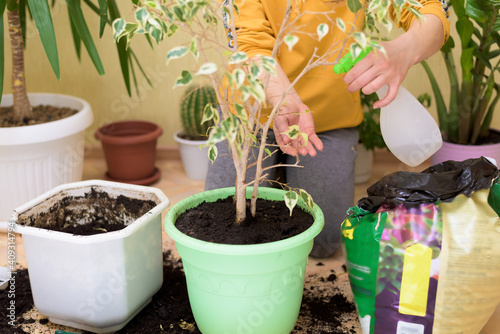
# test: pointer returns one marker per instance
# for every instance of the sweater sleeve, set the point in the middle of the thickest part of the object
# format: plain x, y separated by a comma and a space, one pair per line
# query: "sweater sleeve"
435, 7
255, 34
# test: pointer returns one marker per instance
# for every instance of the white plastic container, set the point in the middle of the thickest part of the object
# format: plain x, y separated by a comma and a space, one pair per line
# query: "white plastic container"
409, 131
99, 282
194, 159
36, 158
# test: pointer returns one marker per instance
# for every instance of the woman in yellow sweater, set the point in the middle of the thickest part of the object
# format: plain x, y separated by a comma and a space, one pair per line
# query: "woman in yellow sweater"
328, 158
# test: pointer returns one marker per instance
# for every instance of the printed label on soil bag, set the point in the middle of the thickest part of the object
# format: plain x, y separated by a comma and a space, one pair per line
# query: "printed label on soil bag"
408, 268
400, 248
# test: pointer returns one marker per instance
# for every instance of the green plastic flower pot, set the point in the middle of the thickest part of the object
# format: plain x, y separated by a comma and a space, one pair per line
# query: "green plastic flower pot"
244, 289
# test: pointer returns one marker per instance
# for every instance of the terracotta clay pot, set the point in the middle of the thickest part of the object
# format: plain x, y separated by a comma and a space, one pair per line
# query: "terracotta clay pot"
130, 151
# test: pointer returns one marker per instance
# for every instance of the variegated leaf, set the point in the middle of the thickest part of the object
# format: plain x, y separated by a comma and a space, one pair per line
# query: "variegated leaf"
306, 198
185, 79
290, 41
237, 58
212, 153
341, 24
322, 30
291, 199
206, 69
176, 53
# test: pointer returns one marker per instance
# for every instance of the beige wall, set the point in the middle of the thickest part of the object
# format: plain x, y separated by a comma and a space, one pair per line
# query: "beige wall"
107, 94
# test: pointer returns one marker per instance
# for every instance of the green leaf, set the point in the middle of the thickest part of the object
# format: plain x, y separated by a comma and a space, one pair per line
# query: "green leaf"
239, 77
241, 112
322, 30
354, 5
292, 132
306, 198
217, 134
414, 3
255, 71
479, 10
103, 13
76, 37
43, 20
193, 48
291, 199
185, 79
206, 69
212, 153
360, 38
467, 63
237, 58
83, 31
176, 53
290, 41
341, 24
142, 16
465, 29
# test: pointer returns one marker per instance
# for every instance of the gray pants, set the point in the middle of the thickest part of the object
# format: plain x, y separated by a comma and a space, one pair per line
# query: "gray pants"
328, 178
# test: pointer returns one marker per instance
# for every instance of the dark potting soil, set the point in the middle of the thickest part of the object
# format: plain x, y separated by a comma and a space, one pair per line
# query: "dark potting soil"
214, 222
324, 308
41, 114
94, 213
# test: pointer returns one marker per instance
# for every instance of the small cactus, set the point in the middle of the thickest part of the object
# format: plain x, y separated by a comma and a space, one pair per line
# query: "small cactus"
192, 105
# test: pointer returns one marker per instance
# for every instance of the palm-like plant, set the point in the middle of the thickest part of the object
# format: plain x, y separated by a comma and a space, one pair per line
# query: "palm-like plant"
472, 102
17, 12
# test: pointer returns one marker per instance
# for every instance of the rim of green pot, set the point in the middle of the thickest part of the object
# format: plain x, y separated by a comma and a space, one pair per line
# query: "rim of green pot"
213, 195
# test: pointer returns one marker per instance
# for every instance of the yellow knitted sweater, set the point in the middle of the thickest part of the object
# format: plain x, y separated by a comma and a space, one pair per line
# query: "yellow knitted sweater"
323, 91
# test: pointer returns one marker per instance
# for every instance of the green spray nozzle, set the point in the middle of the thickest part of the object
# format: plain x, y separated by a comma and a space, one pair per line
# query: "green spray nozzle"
347, 62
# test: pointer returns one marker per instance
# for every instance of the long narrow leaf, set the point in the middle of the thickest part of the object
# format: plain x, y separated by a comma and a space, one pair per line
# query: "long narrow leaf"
440, 105
103, 13
77, 41
121, 47
453, 111
81, 26
43, 20
3, 4
485, 126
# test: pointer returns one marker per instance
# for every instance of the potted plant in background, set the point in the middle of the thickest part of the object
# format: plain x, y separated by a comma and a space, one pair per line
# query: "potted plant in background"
130, 151
37, 150
193, 138
94, 252
465, 121
220, 273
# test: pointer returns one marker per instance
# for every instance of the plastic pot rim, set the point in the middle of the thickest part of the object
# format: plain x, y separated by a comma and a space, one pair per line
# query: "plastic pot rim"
216, 248
88, 239
180, 140
109, 138
29, 134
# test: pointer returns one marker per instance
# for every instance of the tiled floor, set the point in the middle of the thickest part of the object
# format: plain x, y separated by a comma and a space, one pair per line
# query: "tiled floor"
177, 186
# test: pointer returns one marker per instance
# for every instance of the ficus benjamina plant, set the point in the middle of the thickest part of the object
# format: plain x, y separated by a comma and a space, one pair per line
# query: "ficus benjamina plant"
241, 81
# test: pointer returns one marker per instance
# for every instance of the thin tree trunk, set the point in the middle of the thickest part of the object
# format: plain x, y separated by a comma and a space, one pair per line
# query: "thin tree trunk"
22, 107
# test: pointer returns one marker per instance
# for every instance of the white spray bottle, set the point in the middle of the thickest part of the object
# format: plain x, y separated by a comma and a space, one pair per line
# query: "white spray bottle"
409, 131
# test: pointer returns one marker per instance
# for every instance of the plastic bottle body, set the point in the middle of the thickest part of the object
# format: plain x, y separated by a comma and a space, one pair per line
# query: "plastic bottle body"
409, 131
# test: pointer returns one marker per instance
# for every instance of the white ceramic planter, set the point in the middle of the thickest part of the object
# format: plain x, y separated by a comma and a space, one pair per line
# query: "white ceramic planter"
99, 282
36, 158
194, 159
363, 164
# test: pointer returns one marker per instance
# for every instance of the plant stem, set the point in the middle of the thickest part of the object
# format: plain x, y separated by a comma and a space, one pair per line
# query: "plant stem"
21, 106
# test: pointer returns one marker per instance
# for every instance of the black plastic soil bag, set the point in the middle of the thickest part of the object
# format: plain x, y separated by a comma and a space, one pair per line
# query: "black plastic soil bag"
441, 182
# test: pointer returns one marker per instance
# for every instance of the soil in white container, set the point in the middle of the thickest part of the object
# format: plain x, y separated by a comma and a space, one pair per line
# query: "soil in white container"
94, 213
41, 114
